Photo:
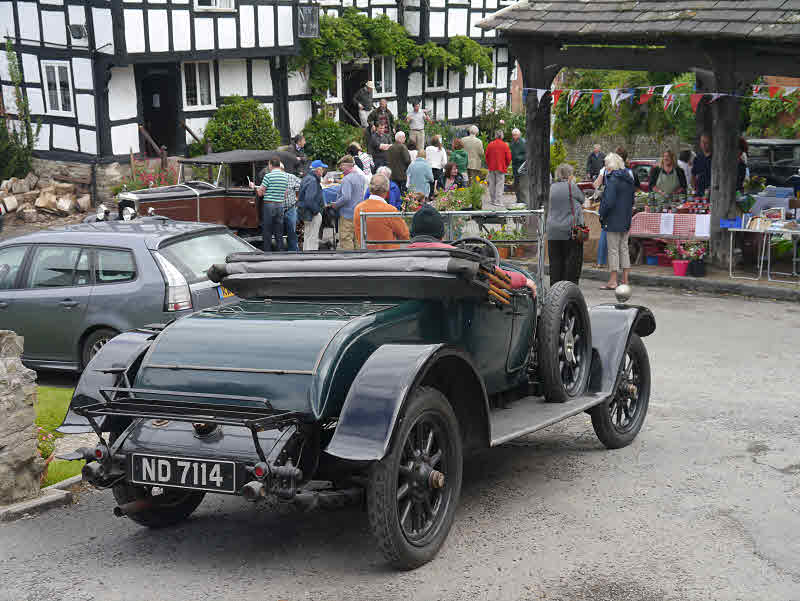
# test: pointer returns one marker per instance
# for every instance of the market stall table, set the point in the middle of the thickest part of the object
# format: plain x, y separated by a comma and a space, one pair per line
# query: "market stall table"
731, 232
795, 236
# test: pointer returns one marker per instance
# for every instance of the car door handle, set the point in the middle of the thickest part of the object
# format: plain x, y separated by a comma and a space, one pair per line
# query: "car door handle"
68, 304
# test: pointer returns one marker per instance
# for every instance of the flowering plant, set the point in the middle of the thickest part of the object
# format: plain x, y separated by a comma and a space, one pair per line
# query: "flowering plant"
697, 251
143, 177
46, 442
506, 234
678, 250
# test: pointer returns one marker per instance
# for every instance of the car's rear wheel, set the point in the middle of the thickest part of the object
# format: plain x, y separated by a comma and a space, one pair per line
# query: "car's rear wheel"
565, 343
169, 507
412, 493
618, 421
92, 344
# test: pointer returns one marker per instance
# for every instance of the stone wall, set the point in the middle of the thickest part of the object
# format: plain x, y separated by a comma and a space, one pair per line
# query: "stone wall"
20, 464
638, 147
108, 175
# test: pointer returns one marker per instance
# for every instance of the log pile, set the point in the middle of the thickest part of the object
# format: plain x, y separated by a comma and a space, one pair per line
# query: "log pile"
32, 199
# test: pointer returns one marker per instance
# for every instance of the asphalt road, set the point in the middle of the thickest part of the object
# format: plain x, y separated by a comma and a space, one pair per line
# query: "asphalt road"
704, 505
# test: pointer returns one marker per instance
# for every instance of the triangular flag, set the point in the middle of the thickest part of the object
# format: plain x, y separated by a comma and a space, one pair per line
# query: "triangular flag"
647, 95
790, 91
667, 88
597, 98
614, 96
540, 93
556, 96
756, 90
695, 99
714, 97
680, 85
574, 95
668, 101
773, 90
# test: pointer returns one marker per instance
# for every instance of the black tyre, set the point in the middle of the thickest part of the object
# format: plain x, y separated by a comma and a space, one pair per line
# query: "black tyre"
565, 343
412, 493
170, 507
617, 422
94, 342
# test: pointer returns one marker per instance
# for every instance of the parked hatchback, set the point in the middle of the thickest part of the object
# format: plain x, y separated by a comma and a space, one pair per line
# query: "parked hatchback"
68, 290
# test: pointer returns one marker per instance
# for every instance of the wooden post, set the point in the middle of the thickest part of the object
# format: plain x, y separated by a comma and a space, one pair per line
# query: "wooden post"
703, 119
163, 154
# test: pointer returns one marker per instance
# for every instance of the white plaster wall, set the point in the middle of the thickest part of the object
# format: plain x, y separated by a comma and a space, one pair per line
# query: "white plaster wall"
226, 32
6, 22
469, 78
271, 107
88, 140
233, 77
158, 30
181, 40
43, 141
266, 26
82, 73
466, 107
415, 84
285, 26
452, 108
438, 3
457, 21
203, 34
412, 22
262, 78
502, 99
54, 28
441, 107
474, 30
501, 77
30, 68
134, 30
298, 83
476, 3
453, 84
299, 113
77, 16
9, 99
65, 138
84, 105
437, 25
103, 30
122, 95
29, 21
391, 13
36, 101
125, 138
197, 125
502, 54
392, 104
247, 26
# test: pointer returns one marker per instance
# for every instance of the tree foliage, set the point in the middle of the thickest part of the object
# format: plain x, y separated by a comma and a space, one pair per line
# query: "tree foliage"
469, 52
241, 123
328, 140
17, 137
770, 118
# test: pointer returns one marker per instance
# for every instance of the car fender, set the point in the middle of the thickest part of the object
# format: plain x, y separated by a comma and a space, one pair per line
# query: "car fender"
612, 326
378, 393
122, 351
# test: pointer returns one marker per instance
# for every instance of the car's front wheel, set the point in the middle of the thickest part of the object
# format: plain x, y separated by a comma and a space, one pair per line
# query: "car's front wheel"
617, 422
170, 507
412, 493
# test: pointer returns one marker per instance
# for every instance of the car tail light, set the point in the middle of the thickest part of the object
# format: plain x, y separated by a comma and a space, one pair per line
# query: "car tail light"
99, 452
260, 470
178, 295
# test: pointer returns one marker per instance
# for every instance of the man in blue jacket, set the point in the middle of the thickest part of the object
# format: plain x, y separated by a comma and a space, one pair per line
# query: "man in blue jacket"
310, 205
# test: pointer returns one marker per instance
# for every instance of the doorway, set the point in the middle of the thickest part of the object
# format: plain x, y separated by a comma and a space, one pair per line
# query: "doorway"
158, 85
354, 76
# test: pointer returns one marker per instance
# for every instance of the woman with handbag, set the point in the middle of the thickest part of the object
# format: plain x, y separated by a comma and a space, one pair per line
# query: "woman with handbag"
566, 231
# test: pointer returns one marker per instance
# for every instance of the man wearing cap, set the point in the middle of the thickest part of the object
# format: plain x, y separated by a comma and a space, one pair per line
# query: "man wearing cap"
310, 205
427, 231
363, 100
348, 196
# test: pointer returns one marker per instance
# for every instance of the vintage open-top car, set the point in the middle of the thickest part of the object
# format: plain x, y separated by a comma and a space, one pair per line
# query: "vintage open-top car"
354, 377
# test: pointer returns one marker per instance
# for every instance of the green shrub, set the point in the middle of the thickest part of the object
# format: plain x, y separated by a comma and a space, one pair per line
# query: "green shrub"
18, 137
241, 123
558, 154
328, 140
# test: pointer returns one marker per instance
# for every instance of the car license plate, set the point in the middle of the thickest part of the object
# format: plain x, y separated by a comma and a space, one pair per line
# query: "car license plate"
224, 292
184, 472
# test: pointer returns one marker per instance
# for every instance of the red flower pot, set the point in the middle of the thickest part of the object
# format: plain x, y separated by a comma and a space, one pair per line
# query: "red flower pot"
679, 266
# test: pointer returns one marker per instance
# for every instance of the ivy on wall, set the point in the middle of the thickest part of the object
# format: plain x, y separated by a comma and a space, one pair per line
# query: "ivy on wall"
354, 35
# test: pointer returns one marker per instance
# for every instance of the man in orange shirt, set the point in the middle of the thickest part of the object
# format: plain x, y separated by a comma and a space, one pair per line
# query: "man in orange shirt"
379, 228
498, 158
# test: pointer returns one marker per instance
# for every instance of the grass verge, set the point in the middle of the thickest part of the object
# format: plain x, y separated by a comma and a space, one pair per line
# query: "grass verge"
51, 407
61, 470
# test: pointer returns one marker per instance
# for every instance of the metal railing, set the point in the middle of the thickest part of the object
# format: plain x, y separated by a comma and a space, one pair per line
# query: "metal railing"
456, 221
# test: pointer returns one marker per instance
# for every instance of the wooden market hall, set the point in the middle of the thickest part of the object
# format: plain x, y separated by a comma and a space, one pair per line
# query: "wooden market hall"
727, 43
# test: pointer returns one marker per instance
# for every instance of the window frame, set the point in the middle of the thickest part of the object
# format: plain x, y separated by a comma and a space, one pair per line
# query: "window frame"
478, 73
383, 58
339, 93
57, 112
445, 80
95, 265
212, 85
19, 278
33, 255
215, 8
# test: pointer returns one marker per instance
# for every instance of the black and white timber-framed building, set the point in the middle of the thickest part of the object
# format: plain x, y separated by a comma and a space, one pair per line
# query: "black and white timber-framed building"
95, 70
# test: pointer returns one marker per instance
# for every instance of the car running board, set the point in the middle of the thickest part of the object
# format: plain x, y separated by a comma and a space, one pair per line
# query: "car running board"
531, 413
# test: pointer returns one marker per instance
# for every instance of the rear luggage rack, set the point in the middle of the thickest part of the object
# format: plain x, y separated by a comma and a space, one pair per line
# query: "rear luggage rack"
143, 403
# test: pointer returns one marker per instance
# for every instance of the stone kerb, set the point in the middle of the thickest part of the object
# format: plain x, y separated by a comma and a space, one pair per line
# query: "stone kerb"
20, 464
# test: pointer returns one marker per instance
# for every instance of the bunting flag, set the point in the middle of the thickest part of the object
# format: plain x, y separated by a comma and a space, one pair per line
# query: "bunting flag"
773, 90
556, 96
695, 99
627, 95
669, 102
756, 90
597, 98
667, 88
789, 91
714, 97
614, 96
574, 95
680, 85
539, 94
647, 95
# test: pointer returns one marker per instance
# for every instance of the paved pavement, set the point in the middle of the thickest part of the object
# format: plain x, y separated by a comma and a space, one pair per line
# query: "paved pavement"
704, 505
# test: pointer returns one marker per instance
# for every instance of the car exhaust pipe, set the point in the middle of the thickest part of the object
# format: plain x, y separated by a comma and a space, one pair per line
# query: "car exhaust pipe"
133, 507
253, 491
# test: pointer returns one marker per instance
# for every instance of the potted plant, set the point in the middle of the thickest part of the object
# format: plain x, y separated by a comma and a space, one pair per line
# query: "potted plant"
505, 234
679, 254
697, 265
46, 447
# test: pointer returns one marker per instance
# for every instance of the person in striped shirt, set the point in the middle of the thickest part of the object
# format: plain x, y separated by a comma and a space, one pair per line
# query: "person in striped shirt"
280, 197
